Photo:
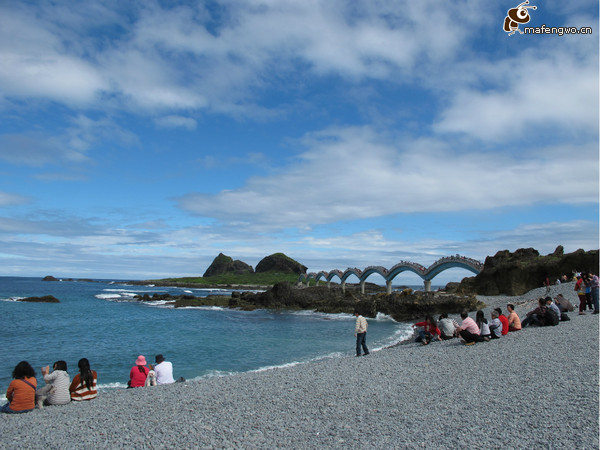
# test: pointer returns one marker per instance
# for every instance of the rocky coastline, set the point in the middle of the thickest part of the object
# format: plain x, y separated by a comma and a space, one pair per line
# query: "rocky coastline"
401, 306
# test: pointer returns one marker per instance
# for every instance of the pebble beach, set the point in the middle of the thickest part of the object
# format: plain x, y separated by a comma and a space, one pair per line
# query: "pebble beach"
537, 387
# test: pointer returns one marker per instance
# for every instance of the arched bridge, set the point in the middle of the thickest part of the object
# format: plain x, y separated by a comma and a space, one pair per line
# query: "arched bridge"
426, 273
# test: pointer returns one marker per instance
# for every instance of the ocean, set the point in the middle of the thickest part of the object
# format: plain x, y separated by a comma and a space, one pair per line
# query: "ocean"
101, 321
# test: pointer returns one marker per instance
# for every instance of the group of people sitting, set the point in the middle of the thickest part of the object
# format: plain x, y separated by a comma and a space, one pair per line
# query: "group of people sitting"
548, 312
141, 375
23, 394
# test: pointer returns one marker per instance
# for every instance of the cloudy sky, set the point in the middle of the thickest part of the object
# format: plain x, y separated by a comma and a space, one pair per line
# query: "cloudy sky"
141, 139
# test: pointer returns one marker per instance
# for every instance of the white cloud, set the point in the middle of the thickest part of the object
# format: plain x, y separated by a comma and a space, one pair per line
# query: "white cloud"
7, 199
354, 173
541, 88
170, 60
69, 145
36, 64
174, 121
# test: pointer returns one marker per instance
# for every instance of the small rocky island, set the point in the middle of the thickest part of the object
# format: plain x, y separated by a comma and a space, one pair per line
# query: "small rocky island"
44, 299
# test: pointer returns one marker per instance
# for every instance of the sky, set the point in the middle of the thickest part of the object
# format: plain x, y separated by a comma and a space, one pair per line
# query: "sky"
141, 139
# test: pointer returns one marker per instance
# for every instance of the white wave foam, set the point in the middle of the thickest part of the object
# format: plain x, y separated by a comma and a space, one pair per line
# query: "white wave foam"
11, 299
107, 296
107, 386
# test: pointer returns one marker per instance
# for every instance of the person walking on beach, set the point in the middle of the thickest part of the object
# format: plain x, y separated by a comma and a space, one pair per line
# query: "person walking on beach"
360, 331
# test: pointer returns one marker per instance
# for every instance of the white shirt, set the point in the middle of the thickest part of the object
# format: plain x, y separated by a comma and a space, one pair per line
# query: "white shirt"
164, 373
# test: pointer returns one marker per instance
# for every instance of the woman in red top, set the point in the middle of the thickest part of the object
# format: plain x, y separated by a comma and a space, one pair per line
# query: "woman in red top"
21, 390
504, 320
429, 331
138, 373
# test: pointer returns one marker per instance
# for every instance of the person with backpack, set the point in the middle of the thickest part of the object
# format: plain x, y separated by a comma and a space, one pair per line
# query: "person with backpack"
536, 316
552, 313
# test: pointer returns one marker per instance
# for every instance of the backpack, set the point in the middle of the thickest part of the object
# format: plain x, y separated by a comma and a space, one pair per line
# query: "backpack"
551, 317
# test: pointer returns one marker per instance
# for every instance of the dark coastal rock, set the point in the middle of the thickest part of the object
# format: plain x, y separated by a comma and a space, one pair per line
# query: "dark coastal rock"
516, 273
224, 264
401, 306
49, 278
280, 263
44, 299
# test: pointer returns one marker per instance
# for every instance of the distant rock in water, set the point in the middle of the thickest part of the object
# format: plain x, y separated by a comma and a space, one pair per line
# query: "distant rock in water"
224, 264
44, 299
49, 278
516, 273
280, 263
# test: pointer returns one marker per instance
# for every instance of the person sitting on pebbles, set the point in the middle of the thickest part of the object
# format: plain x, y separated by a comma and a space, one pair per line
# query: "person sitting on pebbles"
56, 391
536, 316
429, 331
495, 325
514, 323
468, 329
447, 327
504, 320
484, 326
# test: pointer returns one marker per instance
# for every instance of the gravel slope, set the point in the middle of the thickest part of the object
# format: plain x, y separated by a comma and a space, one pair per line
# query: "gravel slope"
534, 388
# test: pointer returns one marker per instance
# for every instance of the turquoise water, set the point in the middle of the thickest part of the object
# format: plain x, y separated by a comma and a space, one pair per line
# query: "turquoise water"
100, 321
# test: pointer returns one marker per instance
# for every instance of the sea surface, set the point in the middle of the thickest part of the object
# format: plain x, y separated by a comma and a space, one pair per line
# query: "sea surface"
101, 321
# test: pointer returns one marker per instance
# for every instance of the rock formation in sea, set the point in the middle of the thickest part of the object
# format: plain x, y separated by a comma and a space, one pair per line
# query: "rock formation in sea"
280, 263
224, 264
44, 299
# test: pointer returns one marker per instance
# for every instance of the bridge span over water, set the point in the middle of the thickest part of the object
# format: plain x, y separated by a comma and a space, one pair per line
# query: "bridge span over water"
426, 273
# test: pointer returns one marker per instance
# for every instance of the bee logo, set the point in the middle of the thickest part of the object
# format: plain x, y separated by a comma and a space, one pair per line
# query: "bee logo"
517, 16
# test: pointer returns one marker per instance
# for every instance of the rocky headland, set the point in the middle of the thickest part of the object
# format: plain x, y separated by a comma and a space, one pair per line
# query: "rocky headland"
508, 273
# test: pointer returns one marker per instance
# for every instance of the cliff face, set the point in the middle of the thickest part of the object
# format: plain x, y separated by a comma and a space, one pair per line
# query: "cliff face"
516, 273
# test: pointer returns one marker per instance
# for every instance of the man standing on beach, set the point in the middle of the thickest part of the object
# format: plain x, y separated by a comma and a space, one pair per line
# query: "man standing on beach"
360, 331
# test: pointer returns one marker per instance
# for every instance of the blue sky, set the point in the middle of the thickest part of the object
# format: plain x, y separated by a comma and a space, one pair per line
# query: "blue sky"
141, 139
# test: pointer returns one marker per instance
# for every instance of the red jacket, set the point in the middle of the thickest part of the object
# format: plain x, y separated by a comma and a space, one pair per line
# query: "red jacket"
429, 328
137, 378
504, 321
